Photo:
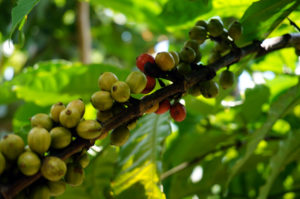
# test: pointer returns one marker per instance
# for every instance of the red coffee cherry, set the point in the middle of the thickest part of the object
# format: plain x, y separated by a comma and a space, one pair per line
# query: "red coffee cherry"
143, 59
150, 85
164, 106
178, 112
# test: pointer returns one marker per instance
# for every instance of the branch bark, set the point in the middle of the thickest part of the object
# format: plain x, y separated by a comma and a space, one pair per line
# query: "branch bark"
202, 73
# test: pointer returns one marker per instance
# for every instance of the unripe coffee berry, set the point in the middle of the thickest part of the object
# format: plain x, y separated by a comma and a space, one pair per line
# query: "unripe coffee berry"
176, 57
187, 55
235, 30
89, 129
198, 33
178, 112
209, 89
215, 27
106, 80
165, 61
136, 81
29, 163
60, 137
120, 91
226, 79
143, 59
184, 68
69, 118
41, 120
78, 105
119, 136
39, 140
11, 146
102, 100
55, 111
201, 23
53, 168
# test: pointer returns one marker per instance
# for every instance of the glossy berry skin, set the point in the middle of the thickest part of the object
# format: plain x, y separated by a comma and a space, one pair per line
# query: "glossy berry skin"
143, 59
164, 106
150, 85
178, 112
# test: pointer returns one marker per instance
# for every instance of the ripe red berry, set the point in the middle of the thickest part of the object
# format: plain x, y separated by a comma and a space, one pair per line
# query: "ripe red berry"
178, 112
143, 59
164, 106
150, 85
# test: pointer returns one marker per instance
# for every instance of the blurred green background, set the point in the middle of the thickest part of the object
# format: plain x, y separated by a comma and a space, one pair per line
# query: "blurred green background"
216, 145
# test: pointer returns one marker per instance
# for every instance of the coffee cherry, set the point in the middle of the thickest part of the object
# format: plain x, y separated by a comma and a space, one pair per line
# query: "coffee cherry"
152, 70
29, 163
175, 55
53, 168
136, 81
152, 109
78, 105
119, 136
215, 27
2, 163
226, 79
164, 106
195, 90
165, 61
132, 125
60, 137
103, 116
120, 91
209, 89
55, 111
201, 23
143, 59
89, 129
74, 175
198, 33
235, 30
178, 112
102, 100
193, 44
40, 192
56, 188
69, 118
151, 82
215, 56
11, 146
184, 68
39, 140
84, 160
41, 120
223, 46
106, 80
187, 55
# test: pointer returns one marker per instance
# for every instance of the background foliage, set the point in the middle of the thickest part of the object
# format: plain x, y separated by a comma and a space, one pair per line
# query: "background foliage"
243, 144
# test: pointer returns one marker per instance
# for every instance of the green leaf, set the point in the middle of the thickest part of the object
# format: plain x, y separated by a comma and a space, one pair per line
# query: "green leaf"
286, 149
262, 17
97, 177
277, 110
255, 98
140, 156
20, 11
50, 82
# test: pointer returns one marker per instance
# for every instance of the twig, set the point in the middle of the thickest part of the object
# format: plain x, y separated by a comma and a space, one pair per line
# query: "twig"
294, 24
203, 73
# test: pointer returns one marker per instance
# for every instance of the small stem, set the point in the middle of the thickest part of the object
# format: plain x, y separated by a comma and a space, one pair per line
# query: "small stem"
294, 24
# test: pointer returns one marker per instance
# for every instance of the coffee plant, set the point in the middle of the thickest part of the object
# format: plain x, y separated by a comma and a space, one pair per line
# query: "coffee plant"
215, 115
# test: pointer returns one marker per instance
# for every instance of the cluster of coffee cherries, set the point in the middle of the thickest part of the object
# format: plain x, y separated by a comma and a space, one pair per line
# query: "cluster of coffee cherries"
50, 133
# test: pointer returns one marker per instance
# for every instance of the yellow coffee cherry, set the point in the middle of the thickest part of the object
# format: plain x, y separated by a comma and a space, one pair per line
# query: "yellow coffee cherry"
165, 61
41, 120
120, 91
89, 129
136, 81
55, 111
102, 100
106, 80
60, 137
39, 140
77, 105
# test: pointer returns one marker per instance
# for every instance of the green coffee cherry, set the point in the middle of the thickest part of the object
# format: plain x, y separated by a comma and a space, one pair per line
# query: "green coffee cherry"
39, 140
40, 192
84, 160
55, 111
187, 55
215, 27
201, 23
11, 146
77, 105
106, 80
41, 120
226, 79
195, 90
235, 30
209, 89
132, 125
119, 136
29, 163
69, 118
136, 81
102, 100
60, 137
184, 68
2, 163
176, 57
74, 175
215, 56
193, 44
89, 129
198, 33
53, 168
56, 188
120, 91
